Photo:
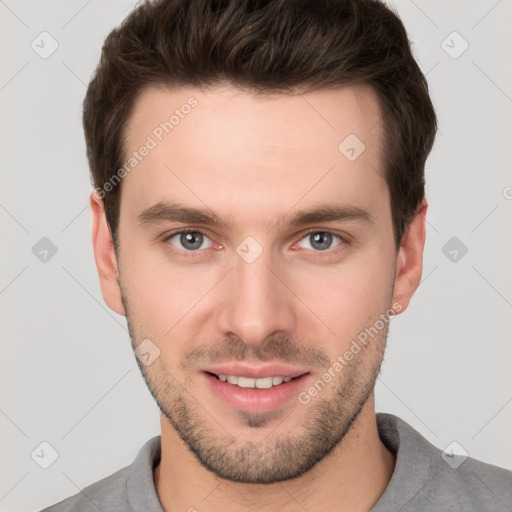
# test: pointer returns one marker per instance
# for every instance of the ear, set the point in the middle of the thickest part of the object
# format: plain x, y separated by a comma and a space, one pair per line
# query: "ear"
409, 261
105, 257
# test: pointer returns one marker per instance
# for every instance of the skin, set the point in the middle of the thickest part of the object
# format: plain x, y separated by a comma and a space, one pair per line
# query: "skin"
254, 160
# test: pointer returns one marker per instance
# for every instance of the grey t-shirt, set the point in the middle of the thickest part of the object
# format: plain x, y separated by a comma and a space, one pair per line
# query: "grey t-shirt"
422, 480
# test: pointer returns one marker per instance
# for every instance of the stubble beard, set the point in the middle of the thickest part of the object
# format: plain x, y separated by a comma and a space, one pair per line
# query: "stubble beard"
282, 455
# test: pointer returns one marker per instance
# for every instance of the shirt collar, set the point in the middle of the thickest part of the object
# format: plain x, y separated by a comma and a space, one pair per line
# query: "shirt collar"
416, 462
140, 484
415, 467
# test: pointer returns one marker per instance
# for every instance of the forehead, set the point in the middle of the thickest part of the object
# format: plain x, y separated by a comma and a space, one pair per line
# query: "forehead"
223, 110
224, 147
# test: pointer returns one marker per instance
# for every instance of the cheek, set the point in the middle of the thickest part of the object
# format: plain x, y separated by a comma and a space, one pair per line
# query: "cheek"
167, 298
161, 309
349, 298
159, 295
161, 299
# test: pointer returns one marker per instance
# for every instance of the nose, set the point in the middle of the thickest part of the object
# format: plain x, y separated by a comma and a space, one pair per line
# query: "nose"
258, 301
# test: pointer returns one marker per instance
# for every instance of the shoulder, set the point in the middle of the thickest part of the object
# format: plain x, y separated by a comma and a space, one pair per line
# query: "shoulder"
129, 489
475, 485
426, 478
492, 480
108, 494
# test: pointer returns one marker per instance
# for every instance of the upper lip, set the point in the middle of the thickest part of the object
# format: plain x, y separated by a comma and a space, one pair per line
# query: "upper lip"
255, 371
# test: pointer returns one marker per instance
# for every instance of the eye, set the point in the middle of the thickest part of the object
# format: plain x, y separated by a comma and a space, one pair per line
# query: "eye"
190, 240
320, 240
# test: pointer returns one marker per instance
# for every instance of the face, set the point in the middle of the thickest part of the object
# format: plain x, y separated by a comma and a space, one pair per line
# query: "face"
255, 255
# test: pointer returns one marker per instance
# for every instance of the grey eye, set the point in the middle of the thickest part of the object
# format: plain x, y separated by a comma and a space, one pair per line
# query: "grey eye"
191, 240
320, 240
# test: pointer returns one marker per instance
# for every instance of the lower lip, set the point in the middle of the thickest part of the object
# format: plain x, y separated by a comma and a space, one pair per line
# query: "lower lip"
255, 400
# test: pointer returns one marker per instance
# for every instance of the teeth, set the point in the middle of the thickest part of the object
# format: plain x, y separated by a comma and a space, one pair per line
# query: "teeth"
263, 383
232, 380
246, 382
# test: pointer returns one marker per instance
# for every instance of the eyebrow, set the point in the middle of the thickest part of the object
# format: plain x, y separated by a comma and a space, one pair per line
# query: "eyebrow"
168, 212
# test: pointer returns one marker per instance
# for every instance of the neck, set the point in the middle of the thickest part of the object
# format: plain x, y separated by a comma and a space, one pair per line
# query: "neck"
352, 477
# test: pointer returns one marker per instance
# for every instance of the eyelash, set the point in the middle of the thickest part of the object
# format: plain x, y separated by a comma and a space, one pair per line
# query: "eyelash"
192, 254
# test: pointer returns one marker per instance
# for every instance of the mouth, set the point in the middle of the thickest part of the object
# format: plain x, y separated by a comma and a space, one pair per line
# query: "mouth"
251, 382
255, 390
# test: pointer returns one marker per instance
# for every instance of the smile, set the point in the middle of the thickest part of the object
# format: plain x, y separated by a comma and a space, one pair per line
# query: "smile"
263, 391
248, 382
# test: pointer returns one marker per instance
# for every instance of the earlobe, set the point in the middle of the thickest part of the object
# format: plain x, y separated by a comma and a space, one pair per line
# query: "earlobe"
104, 256
409, 261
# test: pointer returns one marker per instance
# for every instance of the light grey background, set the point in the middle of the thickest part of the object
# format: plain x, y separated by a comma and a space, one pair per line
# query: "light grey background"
68, 376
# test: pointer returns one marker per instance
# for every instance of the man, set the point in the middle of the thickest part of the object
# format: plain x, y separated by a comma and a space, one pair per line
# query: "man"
259, 218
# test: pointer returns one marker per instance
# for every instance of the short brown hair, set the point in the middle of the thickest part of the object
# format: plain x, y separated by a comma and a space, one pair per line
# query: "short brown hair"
266, 46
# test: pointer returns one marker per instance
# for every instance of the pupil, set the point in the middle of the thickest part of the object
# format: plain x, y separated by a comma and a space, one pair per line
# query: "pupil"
188, 238
322, 238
